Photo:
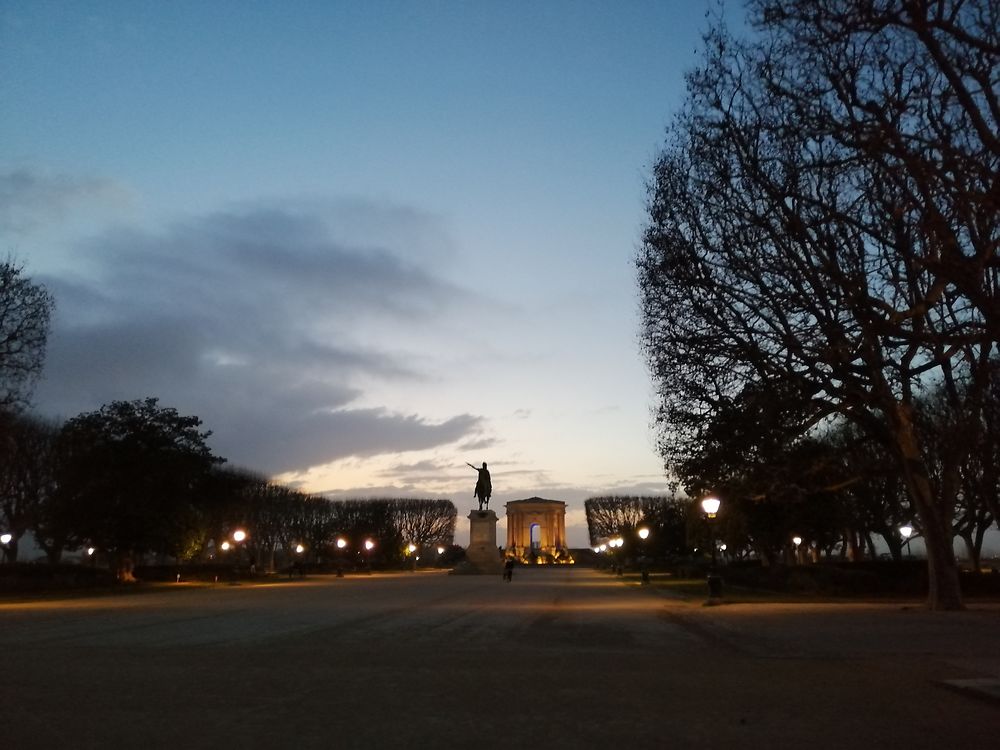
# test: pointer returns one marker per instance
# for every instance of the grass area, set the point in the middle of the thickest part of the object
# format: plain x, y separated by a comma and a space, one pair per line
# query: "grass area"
695, 590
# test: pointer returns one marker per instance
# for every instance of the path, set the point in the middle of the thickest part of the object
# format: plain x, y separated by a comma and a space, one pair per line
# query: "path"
561, 658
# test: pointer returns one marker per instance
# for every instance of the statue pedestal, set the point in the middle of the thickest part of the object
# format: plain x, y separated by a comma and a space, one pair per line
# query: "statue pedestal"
482, 551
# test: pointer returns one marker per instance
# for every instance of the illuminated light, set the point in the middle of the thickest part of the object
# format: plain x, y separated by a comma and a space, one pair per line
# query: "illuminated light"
796, 540
643, 533
597, 549
440, 550
341, 543
226, 546
603, 548
5, 538
723, 547
239, 535
369, 544
299, 548
91, 550
906, 531
411, 548
711, 506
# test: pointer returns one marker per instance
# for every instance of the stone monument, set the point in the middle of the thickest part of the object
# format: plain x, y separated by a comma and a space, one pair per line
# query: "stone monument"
482, 552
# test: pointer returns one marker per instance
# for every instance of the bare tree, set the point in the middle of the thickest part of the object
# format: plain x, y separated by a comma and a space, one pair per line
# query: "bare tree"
425, 522
25, 308
824, 219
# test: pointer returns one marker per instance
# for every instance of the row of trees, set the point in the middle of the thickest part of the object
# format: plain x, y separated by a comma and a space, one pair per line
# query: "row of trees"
135, 478
666, 519
821, 259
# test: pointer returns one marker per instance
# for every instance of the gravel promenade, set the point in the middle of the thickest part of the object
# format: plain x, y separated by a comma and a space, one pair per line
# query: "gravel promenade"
561, 658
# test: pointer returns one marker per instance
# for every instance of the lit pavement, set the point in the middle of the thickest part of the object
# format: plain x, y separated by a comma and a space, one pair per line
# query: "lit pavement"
560, 658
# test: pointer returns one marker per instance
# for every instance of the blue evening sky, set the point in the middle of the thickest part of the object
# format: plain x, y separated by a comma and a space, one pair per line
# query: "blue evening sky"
366, 242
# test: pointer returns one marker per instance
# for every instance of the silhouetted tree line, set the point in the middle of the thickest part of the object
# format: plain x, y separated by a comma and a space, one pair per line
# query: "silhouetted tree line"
821, 267
665, 517
135, 478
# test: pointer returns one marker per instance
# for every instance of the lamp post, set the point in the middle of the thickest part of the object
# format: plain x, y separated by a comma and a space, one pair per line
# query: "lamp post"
240, 537
617, 543
298, 566
6, 539
643, 564
797, 541
710, 505
341, 544
369, 546
906, 532
410, 549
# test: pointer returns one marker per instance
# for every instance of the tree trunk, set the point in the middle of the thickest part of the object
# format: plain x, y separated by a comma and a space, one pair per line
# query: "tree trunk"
856, 552
944, 592
123, 565
869, 545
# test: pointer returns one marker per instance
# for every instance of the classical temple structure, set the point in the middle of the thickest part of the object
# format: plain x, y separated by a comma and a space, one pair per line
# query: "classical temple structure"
536, 529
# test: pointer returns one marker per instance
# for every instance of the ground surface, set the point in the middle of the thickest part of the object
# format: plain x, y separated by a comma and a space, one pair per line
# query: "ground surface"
561, 658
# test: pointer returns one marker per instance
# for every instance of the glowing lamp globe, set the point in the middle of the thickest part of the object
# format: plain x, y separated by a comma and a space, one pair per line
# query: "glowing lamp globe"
341, 543
906, 531
299, 548
239, 535
5, 538
643, 533
369, 544
711, 506
796, 540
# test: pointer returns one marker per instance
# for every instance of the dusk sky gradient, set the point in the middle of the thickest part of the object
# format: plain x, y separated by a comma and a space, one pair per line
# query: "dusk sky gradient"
365, 242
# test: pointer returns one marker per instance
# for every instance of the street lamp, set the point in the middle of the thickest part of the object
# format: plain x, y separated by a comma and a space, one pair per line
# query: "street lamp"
341, 543
5, 539
369, 546
225, 546
410, 549
906, 532
710, 505
239, 535
643, 568
797, 541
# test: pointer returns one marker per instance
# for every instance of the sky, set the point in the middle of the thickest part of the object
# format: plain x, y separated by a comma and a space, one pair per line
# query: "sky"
365, 243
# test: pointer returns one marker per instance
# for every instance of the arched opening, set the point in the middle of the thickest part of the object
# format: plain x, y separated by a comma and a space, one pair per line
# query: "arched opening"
535, 535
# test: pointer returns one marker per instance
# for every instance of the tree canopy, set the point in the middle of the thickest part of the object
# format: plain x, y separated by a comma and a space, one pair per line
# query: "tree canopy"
823, 225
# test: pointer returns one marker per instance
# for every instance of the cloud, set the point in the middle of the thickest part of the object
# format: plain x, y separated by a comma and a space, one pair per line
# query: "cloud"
478, 444
264, 322
30, 198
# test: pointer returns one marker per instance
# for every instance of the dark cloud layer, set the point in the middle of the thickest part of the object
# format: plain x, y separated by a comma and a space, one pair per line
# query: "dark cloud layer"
29, 198
256, 321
